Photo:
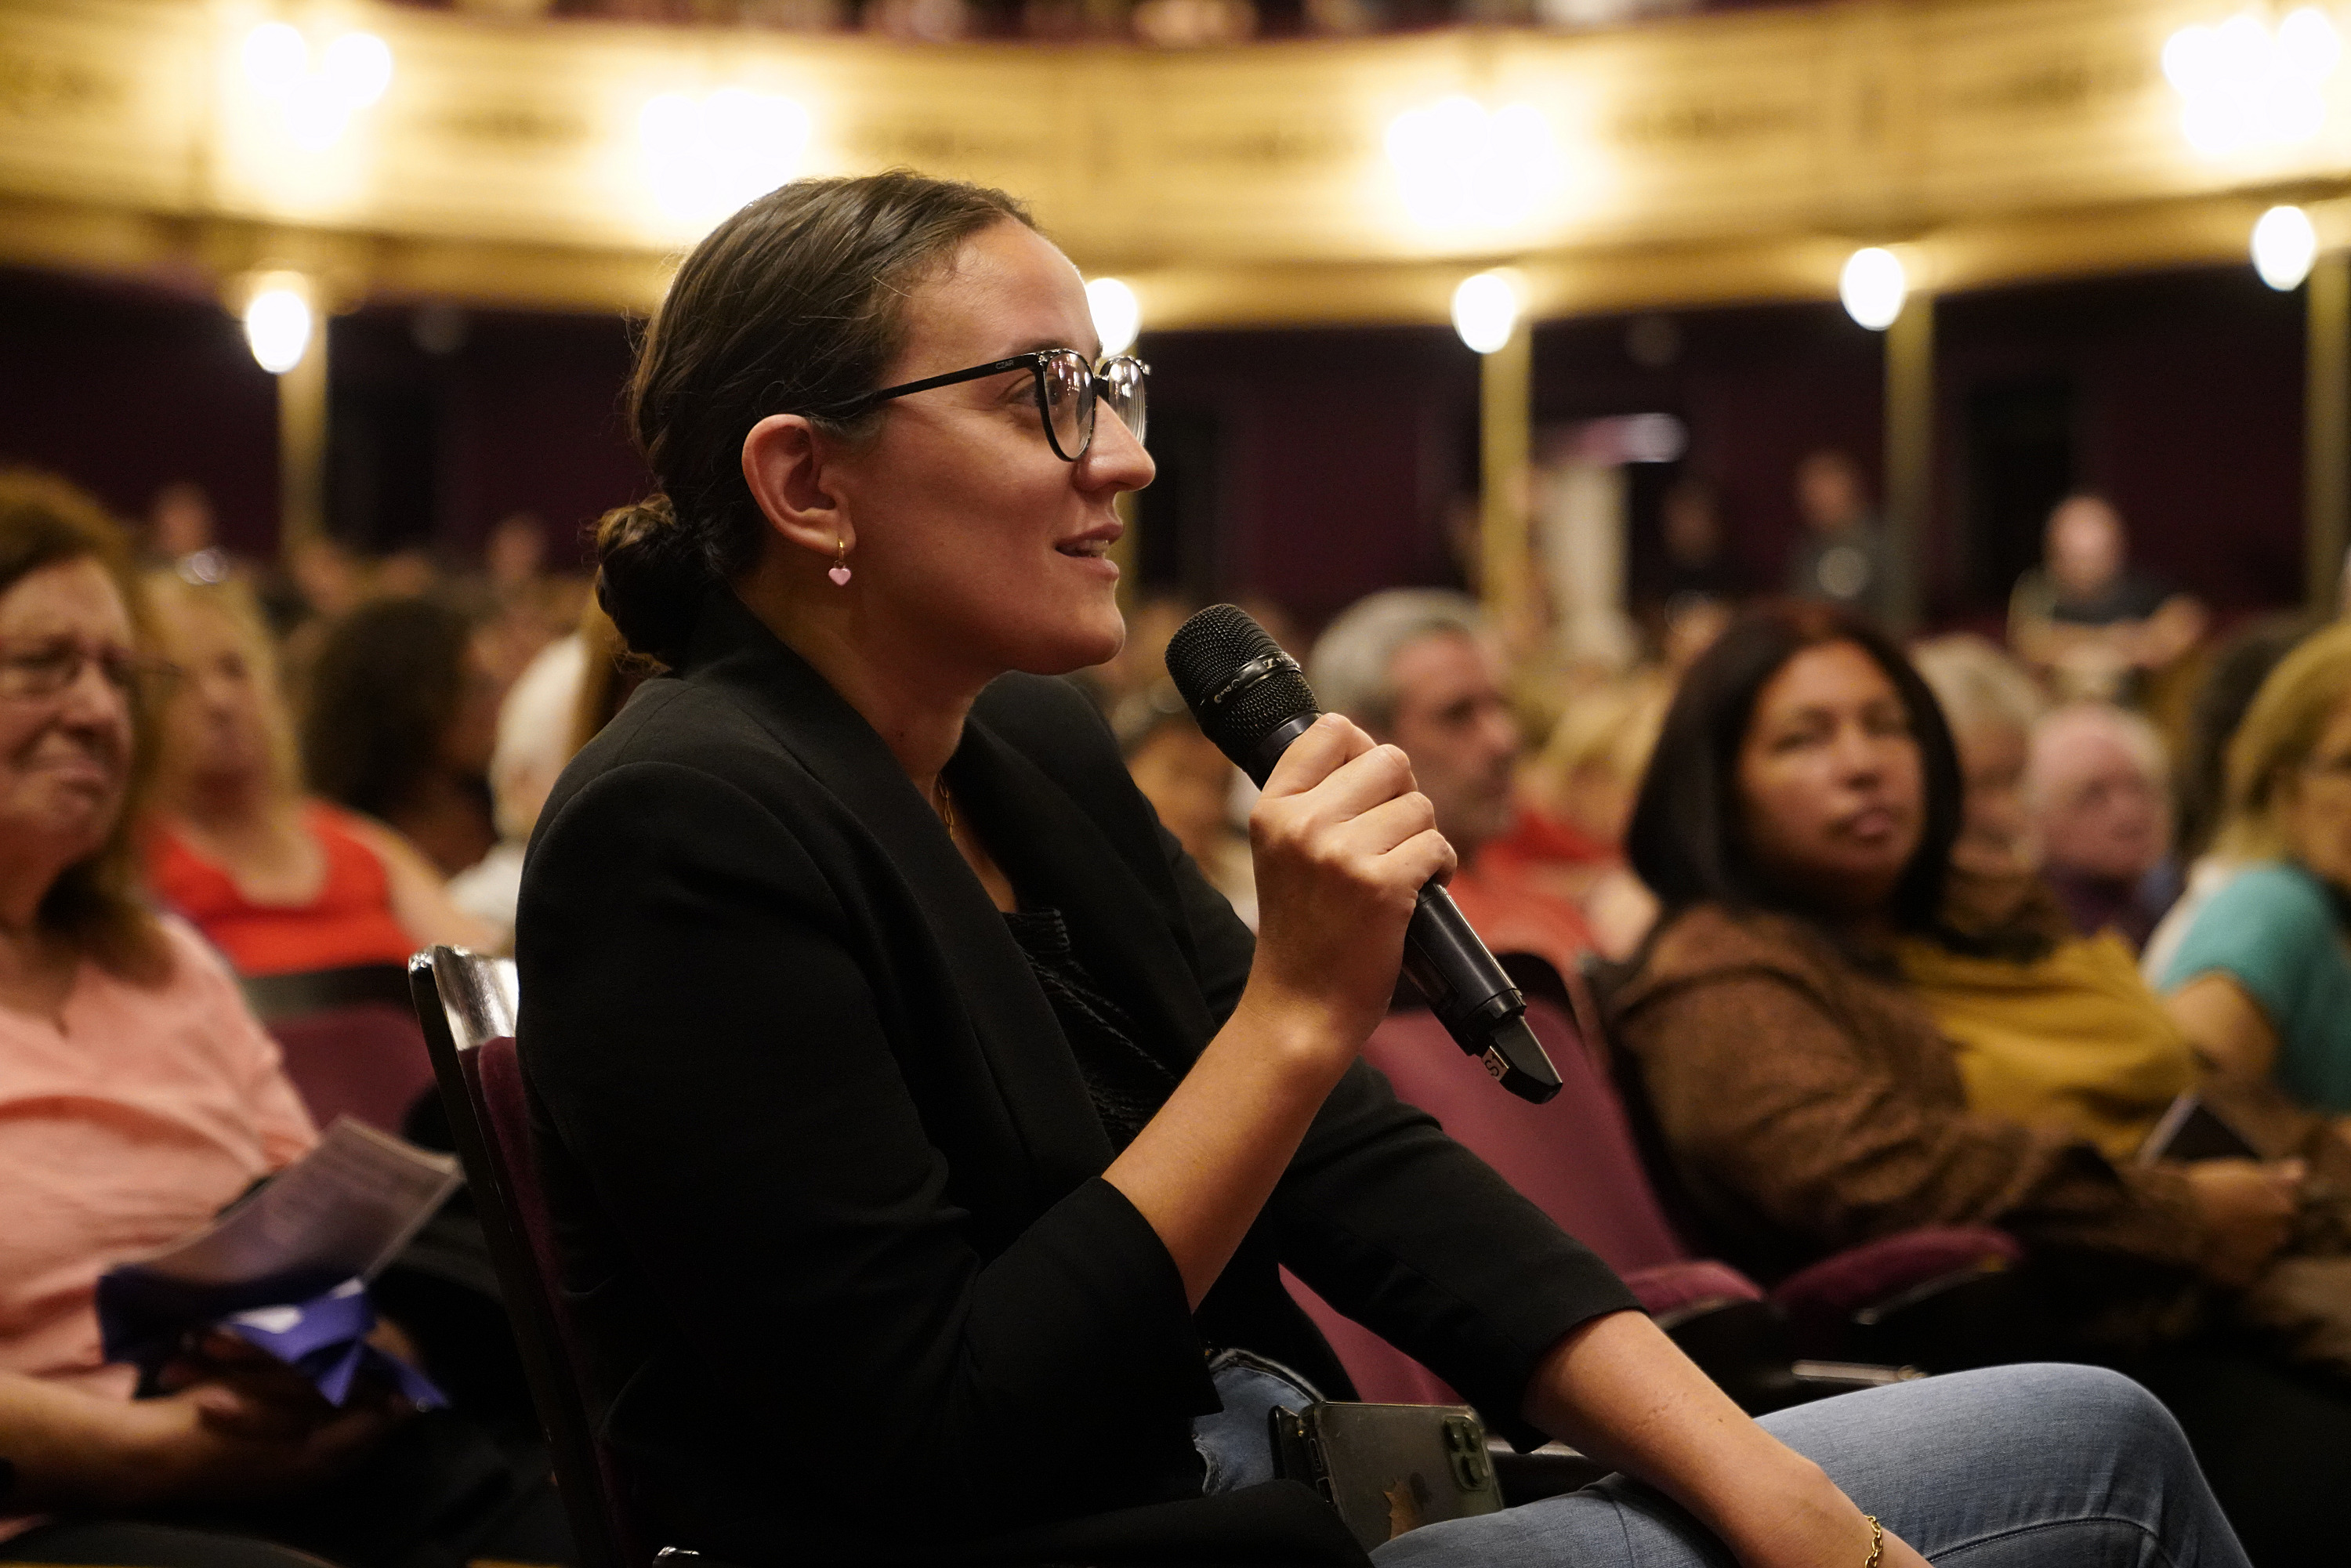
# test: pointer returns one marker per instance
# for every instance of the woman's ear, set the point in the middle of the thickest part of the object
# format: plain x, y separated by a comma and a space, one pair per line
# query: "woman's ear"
784, 460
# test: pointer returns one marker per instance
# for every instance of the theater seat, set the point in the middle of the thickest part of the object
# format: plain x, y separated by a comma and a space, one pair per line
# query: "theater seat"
467, 1005
1577, 1159
364, 1059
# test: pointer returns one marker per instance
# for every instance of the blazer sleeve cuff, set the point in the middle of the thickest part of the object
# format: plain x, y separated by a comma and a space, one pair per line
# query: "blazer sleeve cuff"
1089, 1310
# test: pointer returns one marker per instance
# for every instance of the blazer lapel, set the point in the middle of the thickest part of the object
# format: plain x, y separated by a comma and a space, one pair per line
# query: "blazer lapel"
1043, 1104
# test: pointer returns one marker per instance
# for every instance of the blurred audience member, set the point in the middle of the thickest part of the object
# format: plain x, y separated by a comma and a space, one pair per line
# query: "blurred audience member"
1797, 818
514, 557
608, 676
2236, 672
2049, 1027
180, 523
1416, 668
1807, 1099
322, 582
569, 692
410, 572
518, 605
1843, 558
1690, 628
2098, 788
279, 882
2096, 628
400, 722
538, 724
138, 1097
1696, 560
1696, 568
1575, 801
1189, 783
2256, 963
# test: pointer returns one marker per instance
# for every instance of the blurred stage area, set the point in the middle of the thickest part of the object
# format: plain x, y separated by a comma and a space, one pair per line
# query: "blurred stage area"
1993, 251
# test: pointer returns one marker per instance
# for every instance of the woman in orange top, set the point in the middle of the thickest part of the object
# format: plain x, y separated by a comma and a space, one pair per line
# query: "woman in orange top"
278, 882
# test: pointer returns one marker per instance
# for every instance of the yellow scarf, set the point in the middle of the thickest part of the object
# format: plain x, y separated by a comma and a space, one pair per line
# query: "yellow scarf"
2076, 1038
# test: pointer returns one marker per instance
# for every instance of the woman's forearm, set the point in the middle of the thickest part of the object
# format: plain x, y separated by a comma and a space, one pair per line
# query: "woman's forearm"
1203, 1166
1618, 1389
65, 1447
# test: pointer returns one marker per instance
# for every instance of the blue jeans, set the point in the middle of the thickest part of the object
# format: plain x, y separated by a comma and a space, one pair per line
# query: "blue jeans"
2001, 1468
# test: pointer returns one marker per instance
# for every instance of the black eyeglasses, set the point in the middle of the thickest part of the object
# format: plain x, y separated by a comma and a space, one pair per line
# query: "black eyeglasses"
1068, 390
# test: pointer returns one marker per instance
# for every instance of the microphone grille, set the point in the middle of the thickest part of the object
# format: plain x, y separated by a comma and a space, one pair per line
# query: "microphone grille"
1204, 654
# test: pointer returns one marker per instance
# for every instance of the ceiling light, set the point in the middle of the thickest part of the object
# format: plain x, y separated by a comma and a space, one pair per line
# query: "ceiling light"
1486, 310
277, 324
1872, 286
2284, 247
1459, 166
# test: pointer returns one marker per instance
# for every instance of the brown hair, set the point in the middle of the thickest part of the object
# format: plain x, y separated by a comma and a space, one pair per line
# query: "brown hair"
97, 903
793, 305
1687, 841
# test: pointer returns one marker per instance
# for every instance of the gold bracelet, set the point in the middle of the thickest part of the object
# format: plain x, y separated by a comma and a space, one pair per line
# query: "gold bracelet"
1877, 1541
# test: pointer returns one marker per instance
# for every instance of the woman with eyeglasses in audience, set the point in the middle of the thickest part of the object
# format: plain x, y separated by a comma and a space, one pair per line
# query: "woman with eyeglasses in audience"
137, 1098
921, 1127
1797, 823
280, 881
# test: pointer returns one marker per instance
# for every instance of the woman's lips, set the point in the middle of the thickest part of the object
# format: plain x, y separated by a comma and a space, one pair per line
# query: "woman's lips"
1870, 824
75, 769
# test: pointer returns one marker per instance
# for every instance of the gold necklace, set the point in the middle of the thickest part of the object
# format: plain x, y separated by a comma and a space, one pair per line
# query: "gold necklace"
946, 807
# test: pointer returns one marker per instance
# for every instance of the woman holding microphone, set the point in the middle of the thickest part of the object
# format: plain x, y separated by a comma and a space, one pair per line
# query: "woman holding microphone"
921, 1127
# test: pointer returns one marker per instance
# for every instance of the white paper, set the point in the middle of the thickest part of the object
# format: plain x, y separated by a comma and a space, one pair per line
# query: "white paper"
345, 1209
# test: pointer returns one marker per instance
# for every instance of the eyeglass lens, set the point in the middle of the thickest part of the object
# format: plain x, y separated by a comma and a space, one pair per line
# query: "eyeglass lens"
1069, 394
44, 671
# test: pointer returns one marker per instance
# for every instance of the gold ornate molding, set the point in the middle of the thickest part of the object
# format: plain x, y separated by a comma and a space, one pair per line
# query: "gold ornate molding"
1719, 158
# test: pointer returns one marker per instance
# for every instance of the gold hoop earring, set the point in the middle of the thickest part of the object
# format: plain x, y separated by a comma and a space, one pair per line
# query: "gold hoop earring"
839, 572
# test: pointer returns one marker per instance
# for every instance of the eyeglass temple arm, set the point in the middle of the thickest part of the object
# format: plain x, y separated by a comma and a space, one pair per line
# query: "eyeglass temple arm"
865, 400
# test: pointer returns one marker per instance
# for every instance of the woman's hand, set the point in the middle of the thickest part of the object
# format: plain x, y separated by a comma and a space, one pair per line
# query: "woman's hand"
2246, 1207
1343, 842
215, 1442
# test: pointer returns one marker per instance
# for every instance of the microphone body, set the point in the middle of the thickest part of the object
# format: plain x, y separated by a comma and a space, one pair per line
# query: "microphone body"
1252, 700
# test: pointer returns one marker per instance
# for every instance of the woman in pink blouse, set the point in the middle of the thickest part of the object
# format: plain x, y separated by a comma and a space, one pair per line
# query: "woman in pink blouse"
137, 1097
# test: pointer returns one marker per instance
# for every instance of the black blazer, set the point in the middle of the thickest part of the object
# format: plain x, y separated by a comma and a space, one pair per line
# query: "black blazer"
826, 1179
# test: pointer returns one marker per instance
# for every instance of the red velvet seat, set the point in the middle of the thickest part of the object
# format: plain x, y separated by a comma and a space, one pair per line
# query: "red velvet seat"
1577, 1158
365, 1060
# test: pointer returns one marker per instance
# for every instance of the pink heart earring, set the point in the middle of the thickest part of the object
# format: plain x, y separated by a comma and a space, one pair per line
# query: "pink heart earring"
839, 572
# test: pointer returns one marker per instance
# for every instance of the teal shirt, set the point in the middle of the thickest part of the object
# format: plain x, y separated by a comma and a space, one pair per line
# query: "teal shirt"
2272, 928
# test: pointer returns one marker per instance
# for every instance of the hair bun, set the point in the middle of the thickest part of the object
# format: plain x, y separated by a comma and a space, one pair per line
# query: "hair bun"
651, 576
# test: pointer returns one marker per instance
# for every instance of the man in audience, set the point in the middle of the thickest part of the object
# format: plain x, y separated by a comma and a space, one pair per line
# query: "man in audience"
1417, 668
2096, 628
2098, 788
1844, 560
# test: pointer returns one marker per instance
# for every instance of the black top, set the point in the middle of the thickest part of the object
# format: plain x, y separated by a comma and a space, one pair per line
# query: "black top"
1126, 1082
825, 1172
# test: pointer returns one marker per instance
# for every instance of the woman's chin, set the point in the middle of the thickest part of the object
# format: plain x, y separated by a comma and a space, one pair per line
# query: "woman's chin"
1079, 644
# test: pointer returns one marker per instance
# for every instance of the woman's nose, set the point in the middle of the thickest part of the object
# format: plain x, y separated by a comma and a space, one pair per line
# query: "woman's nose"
1115, 459
1859, 754
89, 697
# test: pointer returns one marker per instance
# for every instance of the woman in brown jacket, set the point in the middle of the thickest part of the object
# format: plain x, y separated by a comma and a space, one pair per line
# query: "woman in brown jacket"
1796, 819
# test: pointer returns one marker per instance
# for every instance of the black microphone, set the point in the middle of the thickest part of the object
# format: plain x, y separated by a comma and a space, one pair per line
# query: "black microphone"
1252, 700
